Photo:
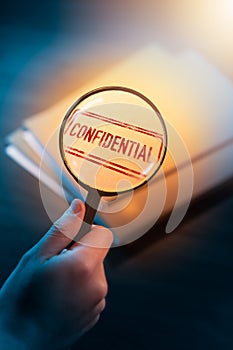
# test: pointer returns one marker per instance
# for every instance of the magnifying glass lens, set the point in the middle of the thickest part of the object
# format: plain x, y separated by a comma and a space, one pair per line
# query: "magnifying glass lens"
111, 136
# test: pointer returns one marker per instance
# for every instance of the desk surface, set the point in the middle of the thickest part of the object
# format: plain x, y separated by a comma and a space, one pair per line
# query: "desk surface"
165, 291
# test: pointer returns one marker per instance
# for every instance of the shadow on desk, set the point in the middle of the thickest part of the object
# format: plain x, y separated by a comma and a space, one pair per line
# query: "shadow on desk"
200, 206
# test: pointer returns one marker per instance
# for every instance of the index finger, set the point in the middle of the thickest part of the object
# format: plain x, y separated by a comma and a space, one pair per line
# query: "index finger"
94, 246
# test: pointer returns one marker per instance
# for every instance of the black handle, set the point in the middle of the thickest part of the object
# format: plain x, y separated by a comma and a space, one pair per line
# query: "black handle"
91, 203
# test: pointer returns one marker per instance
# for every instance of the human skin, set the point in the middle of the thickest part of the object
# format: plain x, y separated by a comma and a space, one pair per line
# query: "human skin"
54, 296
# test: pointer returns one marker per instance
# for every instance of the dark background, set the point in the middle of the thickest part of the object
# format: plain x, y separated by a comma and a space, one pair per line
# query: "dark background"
165, 291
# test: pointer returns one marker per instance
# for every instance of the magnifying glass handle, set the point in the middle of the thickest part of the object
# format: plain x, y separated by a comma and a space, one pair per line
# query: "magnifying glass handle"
91, 203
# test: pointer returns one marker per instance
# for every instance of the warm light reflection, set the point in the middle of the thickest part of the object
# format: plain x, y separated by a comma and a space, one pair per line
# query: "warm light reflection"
181, 58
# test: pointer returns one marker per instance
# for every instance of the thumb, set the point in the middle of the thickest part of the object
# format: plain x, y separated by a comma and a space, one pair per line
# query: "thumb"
62, 231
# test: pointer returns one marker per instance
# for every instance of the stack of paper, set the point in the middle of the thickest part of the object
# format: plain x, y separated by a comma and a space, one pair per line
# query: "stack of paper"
196, 102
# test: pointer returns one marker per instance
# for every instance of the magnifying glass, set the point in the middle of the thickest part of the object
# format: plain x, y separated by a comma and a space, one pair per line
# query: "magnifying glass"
112, 140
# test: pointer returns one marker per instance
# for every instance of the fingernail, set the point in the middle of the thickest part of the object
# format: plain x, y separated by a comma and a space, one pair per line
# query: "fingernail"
76, 206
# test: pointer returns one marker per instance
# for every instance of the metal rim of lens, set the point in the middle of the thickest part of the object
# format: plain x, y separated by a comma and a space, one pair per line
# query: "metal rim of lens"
96, 91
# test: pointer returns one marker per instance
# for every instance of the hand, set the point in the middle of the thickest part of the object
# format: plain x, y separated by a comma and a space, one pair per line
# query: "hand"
52, 297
